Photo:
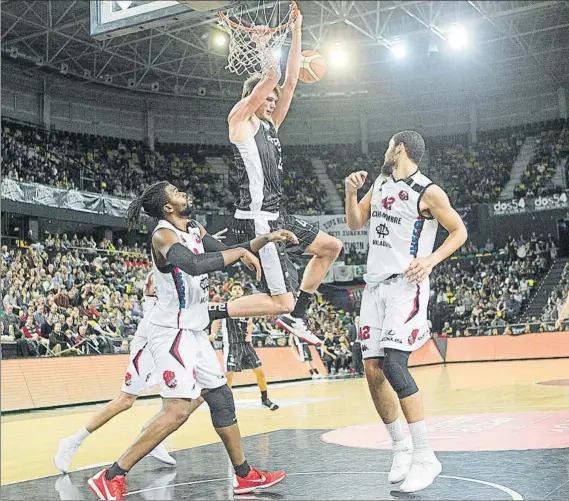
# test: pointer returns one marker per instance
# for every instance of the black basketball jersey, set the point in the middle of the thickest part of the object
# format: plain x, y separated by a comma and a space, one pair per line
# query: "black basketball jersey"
234, 330
259, 165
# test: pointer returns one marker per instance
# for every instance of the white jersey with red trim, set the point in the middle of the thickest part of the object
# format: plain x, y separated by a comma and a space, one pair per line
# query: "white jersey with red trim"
181, 299
398, 233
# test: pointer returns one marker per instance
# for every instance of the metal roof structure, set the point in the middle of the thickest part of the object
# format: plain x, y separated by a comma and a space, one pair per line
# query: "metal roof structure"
510, 42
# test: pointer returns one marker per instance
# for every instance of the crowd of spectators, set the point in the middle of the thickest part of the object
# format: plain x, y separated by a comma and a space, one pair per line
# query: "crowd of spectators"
551, 150
485, 295
57, 298
125, 168
108, 165
474, 173
74, 296
342, 160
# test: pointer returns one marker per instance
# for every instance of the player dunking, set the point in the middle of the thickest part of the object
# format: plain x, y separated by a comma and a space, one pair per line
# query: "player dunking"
238, 351
186, 363
253, 125
404, 209
137, 378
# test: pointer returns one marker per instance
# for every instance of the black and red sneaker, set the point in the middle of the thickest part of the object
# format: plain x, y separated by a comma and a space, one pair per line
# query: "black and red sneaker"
108, 489
256, 479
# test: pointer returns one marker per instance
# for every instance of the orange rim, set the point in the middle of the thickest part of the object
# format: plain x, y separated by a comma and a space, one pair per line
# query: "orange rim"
238, 26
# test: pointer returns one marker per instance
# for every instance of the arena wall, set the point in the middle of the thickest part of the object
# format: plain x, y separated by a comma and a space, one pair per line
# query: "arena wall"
29, 384
74, 106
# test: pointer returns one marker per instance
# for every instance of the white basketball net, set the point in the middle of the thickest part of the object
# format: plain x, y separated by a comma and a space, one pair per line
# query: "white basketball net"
250, 51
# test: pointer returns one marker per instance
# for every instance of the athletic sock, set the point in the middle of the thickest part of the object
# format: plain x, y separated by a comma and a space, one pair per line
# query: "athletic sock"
315, 371
311, 372
419, 435
302, 304
114, 471
217, 311
264, 395
242, 470
82, 434
395, 430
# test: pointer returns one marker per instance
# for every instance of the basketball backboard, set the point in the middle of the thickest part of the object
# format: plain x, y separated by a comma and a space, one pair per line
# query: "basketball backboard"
111, 18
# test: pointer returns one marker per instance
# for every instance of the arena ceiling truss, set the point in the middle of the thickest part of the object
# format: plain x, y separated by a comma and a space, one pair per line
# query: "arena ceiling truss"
509, 41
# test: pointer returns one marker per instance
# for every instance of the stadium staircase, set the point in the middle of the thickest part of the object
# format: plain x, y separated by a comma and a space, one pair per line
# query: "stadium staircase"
559, 176
335, 203
545, 289
219, 166
522, 161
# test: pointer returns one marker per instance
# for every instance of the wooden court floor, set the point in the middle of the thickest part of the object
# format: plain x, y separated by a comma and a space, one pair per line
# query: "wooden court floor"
522, 404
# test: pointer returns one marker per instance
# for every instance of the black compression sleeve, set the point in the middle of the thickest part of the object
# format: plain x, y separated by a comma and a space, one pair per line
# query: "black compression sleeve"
195, 264
211, 244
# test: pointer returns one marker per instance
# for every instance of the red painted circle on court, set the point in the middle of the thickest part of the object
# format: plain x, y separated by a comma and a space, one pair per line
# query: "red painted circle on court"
555, 382
471, 432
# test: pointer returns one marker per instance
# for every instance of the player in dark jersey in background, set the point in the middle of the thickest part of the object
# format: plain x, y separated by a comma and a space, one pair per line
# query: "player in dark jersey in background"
238, 351
253, 125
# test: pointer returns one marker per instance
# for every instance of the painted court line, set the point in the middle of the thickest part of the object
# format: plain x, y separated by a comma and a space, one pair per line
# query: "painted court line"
510, 492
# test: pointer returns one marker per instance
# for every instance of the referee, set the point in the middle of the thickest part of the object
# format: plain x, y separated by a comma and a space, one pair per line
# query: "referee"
238, 351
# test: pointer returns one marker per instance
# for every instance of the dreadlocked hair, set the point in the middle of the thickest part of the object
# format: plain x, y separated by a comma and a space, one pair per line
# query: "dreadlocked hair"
152, 200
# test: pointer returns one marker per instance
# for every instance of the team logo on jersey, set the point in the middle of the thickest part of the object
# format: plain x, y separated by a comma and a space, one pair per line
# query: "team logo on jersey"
387, 202
128, 379
382, 230
170, 379
403, 195
204, 285
411, 339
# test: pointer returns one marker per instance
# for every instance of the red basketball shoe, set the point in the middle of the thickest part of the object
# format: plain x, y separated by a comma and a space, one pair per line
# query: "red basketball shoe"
108, 489
256, 479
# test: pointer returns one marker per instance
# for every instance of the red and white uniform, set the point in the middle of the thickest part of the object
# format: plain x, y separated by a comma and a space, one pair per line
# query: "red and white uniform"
138, 375
393, 311
185, 361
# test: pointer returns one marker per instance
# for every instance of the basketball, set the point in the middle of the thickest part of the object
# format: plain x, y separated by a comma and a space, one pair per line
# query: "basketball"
312, 66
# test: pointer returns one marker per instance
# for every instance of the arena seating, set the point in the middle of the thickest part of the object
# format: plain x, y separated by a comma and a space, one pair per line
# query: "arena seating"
487, 292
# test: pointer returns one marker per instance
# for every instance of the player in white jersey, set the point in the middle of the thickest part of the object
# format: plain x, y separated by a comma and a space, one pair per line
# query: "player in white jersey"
403, 208
186, 364
137, 378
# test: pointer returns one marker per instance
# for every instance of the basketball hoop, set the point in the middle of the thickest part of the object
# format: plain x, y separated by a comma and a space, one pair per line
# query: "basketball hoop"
256, 35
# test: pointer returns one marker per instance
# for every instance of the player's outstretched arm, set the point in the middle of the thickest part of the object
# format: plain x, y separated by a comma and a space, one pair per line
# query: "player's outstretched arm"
357, 214
212, 244
165, 242
292, 72
245, 108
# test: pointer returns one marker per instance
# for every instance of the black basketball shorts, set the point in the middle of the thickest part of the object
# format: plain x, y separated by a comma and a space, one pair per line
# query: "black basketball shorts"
240, 357
279, 273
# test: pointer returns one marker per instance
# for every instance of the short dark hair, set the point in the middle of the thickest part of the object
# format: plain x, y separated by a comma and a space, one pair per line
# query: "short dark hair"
413, 142
252, 82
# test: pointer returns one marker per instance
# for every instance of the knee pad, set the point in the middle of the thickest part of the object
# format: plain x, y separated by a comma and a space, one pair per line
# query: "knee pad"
397, 373
221, 406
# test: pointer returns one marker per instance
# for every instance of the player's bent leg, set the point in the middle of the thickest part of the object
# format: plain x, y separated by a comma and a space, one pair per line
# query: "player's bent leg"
222, 408
425, 466
229, 376
70, 445
159, 452
325, 249
261, 305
